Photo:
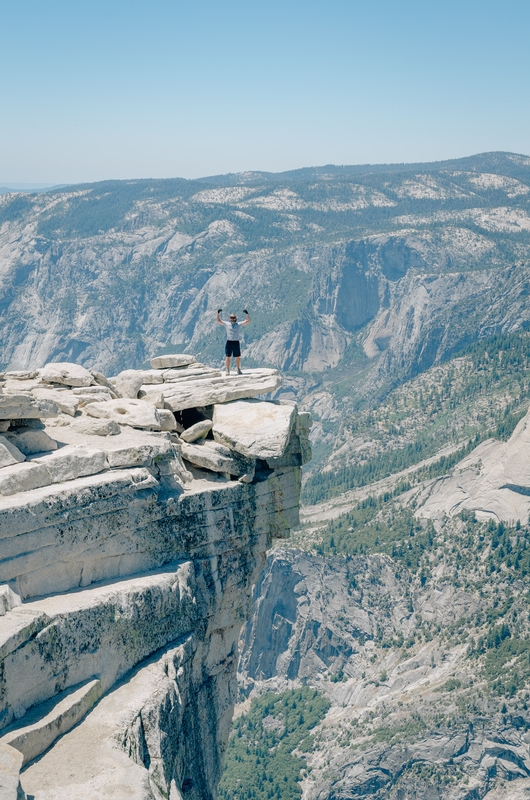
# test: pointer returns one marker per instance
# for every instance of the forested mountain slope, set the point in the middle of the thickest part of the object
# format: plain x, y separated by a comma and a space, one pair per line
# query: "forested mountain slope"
439, 415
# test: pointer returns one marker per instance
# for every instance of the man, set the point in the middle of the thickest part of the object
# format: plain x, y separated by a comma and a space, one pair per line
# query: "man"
233, 333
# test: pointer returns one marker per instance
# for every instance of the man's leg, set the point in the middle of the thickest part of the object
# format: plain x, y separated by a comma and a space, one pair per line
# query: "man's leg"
227, 364
237, 354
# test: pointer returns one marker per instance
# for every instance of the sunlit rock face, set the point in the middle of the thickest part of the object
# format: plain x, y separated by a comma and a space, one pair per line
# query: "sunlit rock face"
127, 568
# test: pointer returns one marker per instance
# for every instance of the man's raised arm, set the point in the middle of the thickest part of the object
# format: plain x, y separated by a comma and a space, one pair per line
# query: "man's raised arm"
247, 320
218, 318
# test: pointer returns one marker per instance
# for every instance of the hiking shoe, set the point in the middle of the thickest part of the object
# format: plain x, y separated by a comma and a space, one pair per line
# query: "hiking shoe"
239, 372
228, 372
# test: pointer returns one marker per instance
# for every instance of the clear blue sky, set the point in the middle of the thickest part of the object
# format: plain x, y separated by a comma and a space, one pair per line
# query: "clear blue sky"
95, 89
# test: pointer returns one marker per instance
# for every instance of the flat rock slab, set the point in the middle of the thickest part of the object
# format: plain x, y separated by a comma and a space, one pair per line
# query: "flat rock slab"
128, 411
17, 629
63, 465
25, 406
32, 735
175, 360
167, 420
10, 766
91, 426
20, 375
81, 431
254, 428
66, 401
148, 389
196, 371
195, 393
85, 399
66, 373
12, 386
156, 397
139, 455
128, 382
152, 376
86, 391
101, 380
8, 600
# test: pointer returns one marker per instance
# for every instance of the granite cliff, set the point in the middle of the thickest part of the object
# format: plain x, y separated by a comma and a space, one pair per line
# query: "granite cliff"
135, 515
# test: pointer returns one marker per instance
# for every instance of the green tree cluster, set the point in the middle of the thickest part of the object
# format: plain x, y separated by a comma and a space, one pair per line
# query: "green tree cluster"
377, 525
260, 760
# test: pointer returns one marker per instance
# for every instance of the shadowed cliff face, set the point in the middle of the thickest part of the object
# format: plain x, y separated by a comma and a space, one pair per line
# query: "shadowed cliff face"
397, 257
275, 614
346, 287
297, 628
357, 298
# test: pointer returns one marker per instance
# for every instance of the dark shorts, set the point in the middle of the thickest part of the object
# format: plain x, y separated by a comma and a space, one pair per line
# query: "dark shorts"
232, 349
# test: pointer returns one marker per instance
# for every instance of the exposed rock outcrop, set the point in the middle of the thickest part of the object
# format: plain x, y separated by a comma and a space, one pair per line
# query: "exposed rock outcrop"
126, 571
493, 481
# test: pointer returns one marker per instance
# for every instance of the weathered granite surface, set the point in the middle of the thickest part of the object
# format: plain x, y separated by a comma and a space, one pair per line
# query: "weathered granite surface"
127, 559
493, 481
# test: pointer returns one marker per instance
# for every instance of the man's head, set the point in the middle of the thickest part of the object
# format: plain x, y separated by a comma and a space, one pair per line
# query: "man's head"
232, 318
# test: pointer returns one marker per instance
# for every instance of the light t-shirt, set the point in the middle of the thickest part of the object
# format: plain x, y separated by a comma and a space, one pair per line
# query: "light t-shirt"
233, 331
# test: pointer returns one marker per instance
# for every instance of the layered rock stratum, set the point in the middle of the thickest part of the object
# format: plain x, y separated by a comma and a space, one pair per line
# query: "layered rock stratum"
128, 556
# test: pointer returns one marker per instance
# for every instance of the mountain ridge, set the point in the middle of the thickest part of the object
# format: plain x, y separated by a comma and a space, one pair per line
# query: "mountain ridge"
474, 161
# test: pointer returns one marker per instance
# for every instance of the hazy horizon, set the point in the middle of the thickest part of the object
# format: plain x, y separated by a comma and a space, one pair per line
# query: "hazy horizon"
36, 187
